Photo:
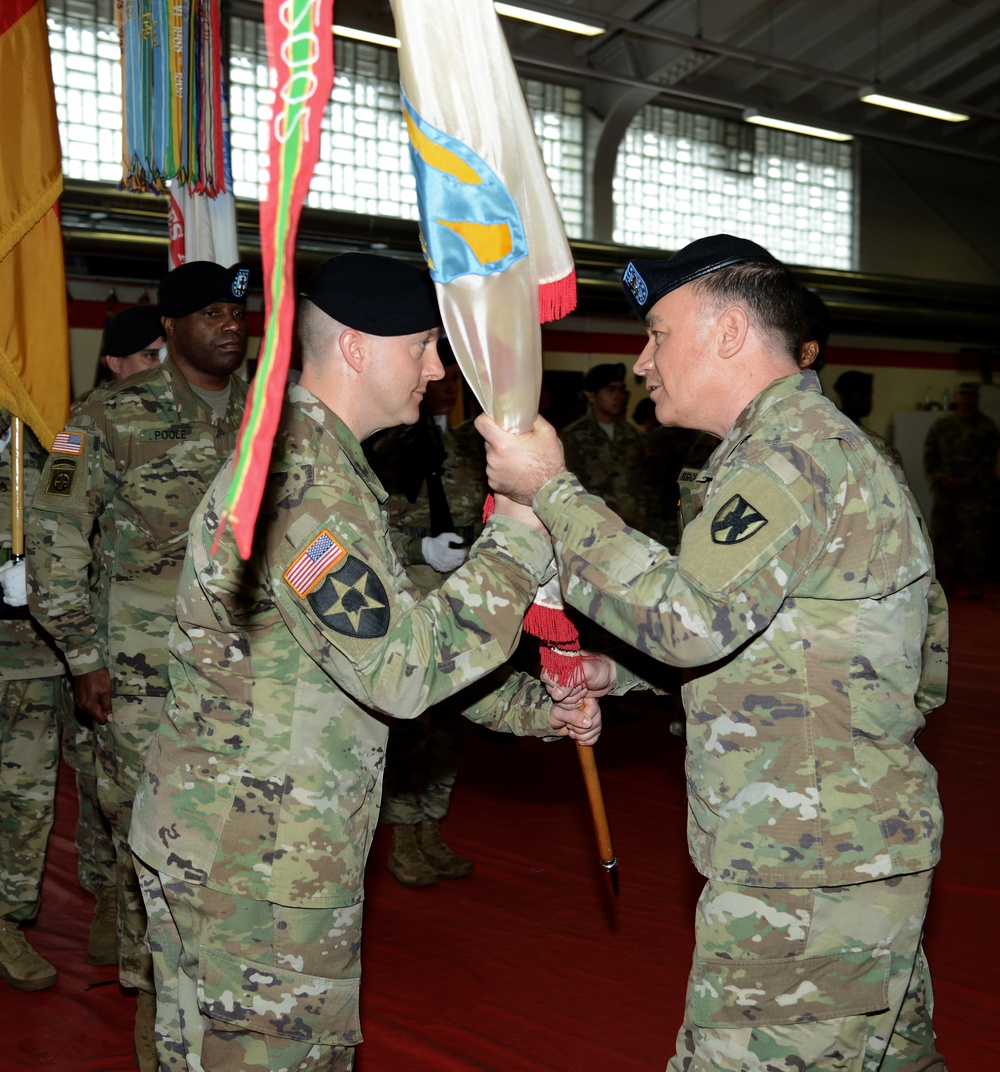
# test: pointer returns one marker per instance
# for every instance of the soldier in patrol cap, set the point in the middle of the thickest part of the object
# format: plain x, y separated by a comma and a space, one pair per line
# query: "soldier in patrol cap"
260, 795
798, 601
135, 462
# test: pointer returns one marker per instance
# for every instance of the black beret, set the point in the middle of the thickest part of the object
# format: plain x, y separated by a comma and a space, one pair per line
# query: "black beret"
645, 282
601, 375
377, 295
198, 284
132, 330
853, 380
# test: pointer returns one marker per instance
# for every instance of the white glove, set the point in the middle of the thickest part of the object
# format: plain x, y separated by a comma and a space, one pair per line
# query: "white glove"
14, 582
439, 552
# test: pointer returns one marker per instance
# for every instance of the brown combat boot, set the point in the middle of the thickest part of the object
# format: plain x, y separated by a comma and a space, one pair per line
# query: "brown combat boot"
103, 945
446, 863
20, 965
145, 1033
406, 862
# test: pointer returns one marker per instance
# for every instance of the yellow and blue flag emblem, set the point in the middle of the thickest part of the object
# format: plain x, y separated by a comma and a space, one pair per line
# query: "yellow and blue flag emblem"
471, 224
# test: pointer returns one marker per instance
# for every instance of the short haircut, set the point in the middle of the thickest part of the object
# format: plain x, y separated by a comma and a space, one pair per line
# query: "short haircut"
317, 332
770, 295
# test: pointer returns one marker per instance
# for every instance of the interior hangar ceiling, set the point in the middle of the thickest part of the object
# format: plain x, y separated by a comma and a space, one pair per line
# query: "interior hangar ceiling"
800, 59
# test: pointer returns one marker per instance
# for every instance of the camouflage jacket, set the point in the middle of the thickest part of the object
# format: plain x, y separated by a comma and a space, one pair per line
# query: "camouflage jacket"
26, 651
265, 776
135, 461
610, 468
800, 594
961, 447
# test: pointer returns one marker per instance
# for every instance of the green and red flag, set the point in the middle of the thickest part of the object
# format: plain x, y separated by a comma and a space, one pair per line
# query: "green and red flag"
300, 53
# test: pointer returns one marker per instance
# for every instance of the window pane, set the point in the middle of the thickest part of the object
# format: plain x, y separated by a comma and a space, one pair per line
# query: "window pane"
681, 176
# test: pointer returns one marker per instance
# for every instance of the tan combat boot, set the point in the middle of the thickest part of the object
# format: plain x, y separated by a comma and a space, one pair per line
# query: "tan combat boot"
145, 1033
406, 863
103, 945
446, 863
20, 965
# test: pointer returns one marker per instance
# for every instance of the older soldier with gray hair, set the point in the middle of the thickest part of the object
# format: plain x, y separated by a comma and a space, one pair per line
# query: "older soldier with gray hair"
262, 786
798, 598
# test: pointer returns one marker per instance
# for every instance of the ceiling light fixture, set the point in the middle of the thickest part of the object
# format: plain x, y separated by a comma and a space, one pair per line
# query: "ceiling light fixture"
872, 95
364, 35
752, 115
553, 22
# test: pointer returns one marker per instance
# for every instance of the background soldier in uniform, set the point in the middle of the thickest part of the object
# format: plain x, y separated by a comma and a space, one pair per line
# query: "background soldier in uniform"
135, 462
436, 480
261, 788
799, 599
34, 697
603, 449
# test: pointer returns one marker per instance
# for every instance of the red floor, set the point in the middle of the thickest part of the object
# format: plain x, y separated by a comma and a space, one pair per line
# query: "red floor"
530, 965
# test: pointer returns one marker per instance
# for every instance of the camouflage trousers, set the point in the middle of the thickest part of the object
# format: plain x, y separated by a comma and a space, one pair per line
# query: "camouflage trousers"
30, 709
421, 765
826, 980
249, 986
121, 749
961, 539
95, 850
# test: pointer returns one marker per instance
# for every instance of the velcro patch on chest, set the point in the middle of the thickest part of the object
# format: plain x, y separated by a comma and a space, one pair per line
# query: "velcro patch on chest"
313, 564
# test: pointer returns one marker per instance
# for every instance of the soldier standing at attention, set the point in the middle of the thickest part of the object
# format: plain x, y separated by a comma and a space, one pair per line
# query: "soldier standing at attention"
798, 598
960, 456
34, 699
603, 449
435, 477
260, 795
135, 462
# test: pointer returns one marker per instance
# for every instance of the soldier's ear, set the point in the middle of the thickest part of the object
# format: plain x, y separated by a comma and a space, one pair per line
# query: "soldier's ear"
168, 327
352, 348
732, 327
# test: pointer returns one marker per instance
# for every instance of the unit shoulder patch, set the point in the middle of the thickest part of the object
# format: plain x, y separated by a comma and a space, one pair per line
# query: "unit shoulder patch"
736, 521
353, 601
313, 564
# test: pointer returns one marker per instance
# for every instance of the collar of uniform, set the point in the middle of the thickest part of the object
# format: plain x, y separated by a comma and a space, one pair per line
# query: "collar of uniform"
333, 426
185, 397
771, 395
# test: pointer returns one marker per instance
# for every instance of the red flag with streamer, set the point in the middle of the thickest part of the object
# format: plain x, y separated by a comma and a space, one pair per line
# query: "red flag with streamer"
300, 52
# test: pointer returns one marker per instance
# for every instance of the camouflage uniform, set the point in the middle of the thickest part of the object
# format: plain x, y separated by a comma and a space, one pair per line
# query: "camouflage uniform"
800, 592
33, 697
135, 461
425, 752
610, 468
261, 789
963, 447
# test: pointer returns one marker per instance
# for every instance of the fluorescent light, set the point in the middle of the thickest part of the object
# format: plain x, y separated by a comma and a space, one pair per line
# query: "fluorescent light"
364, 35
587, 29
870, 95
751, 115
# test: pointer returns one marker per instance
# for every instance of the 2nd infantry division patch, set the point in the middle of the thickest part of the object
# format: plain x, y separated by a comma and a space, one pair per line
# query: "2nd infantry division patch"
736, 521
352, 601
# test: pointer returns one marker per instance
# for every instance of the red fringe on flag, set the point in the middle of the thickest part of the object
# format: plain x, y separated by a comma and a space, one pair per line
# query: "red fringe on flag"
558, 637
557, 299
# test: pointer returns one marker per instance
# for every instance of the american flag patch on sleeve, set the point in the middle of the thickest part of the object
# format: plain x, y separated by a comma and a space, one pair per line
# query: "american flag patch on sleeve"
314, 563
68, 443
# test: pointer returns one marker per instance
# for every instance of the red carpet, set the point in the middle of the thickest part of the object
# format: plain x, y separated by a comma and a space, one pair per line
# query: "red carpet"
530, 965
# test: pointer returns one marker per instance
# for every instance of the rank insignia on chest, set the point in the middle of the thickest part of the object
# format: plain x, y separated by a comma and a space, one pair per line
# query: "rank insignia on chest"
736, 521
68, 443
352, 601
313, 564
